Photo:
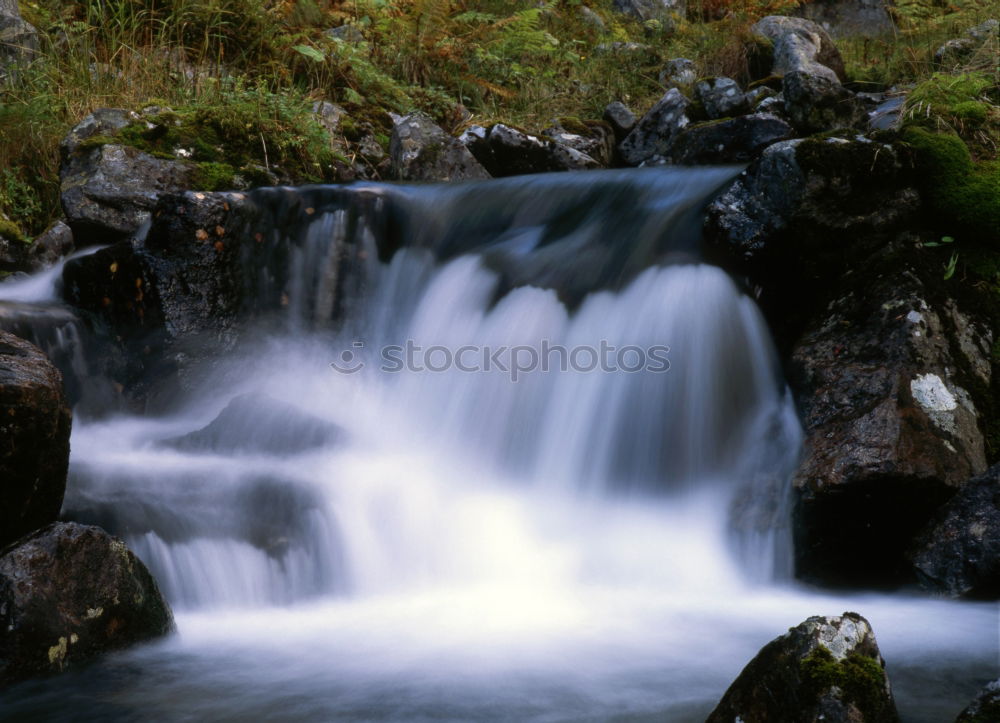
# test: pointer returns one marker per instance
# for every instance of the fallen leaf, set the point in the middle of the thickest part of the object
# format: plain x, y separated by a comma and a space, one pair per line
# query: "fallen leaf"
201, 234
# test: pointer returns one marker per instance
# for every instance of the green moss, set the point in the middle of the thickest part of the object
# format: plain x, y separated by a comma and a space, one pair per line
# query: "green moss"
211, 176
572, 124
10, 231
965, 196
860, 677
965, 104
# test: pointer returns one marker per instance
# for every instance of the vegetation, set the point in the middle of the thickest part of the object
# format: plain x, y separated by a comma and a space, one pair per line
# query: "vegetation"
244, 74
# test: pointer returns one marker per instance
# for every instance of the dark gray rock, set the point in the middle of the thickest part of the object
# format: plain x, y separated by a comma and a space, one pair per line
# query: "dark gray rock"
825, 669
801, 45
649, 9
102, 122
53, 244
678, 71
510, 152
890, 384
69, 593
652, 135
815, 104
592, 19
959, 554
18, 38
721, 97
420, 150
259, 424
733, 140
620, 118
346, 33
34, 439
959, 50
14, 252
848, 18
985, 708
593, 139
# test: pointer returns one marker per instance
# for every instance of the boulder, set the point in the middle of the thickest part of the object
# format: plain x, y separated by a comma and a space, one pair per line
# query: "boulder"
259, 424
649, 9
54, 243
959, 50
890, 381
985, 708
34, 439
18, 39
801, 45
595, 139
958, 555
733, 140
69, 593
420, 150
678, 71
620, 118
848, 18
14, 248
721, 97
506, 151
652, 135
815, 104
825, 669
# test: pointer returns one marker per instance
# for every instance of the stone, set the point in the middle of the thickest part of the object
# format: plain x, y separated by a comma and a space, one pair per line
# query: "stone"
958, 554
678, 71
848, 18
889, 383
69, 593
959, 50
593, 139
721, 97
592, 19
346, 33
986, 706
420, 150
52, 244
733, 140
513, 152
18, 38
652, 135
801, 45
35, 425
649, 9
620, 118
815, 104
825, 669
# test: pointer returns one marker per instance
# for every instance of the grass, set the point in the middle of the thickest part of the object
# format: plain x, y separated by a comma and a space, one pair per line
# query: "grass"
243, 74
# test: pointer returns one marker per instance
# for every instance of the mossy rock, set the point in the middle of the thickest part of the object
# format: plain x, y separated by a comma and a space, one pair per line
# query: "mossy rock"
10, 231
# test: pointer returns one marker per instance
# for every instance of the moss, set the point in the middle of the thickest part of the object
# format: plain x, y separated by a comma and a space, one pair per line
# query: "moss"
965, 196
860, 677
965, 103
572, 124
10, 231
213, 176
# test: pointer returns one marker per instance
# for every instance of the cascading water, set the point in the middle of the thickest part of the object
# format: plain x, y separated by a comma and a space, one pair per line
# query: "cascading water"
377, 526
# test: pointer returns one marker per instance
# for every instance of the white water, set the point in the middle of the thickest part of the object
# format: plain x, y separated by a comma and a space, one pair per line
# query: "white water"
554, 549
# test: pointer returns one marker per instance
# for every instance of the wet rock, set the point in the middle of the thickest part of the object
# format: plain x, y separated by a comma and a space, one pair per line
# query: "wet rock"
888, 380
53, 244
593, 139
649, 9
69, 593
985, 708
14, 251
259, 424
678, 71
510, 152
34, 439
734, 140
824, 669
721, 97
801, 45
959, 553
421, 151
848, 18
18, 39
620, 118
815, 104
652, 135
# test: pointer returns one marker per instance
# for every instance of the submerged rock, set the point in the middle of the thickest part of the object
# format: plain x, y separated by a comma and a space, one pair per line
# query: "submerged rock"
69, 593
421, 151
259, 424
652, 135
34, 439
985, 708
825, 669
959, 553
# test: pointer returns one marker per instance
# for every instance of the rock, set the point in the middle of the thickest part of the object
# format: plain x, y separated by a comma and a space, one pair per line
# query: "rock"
824, 669
959, 50
346, 33
959, 553
69, 593
511, 152
102, 122
34, 439
259, 424
801, 45
620, 118
733, 140
649, 9
18, 39
592, 19
14, 250
593, 139
330, 115
815, 104
421, 151
888, 379
653, 134
721, 97
885, 114
53, 244
848, 18
985, 708
678, 71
